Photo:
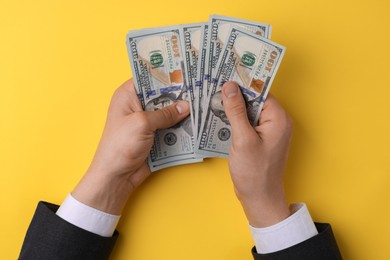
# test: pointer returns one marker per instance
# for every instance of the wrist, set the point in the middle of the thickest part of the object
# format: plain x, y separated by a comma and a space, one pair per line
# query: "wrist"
104, 192
265, 211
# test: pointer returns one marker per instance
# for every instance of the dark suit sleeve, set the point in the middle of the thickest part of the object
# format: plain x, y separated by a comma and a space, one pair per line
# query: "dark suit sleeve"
51, 237
320, 247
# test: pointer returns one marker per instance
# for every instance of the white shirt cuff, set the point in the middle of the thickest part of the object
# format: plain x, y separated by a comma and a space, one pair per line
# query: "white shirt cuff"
87, 218
295, 229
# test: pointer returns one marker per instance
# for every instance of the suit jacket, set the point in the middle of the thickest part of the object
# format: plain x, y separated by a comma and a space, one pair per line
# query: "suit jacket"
51, 237
320, 247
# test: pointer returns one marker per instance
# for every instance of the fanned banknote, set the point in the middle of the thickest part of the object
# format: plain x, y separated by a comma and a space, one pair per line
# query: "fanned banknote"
219, 27
191, 62
199, 97
251, 61
157, 63
191, 43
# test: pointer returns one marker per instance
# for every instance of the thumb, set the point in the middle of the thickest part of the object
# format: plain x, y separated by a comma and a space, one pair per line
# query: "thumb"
168, 116
235, 108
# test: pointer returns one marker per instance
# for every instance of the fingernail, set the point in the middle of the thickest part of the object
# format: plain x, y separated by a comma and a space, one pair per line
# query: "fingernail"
182, 107
230, 89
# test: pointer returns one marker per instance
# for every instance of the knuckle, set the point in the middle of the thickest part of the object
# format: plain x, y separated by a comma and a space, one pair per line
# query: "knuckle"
126, 87
117, 93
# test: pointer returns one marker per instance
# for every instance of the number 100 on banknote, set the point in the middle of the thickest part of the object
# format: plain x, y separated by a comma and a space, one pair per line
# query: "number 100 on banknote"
157, 63
252, 62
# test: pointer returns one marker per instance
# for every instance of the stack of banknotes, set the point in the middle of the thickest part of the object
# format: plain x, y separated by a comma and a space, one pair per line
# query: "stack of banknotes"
191, 62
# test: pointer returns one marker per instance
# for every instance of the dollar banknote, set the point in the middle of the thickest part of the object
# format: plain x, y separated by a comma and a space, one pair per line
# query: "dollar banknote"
219, 27
191, 62
191, 43
250, 60
157, 63
199, 97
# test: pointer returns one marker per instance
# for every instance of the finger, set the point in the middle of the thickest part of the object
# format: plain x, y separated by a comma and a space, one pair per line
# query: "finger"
234, 106
125, 100
168, 116
273, 111
274, 120
139, 176
271, 103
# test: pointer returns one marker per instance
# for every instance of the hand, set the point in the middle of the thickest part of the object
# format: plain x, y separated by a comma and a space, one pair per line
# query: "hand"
119, 166
258, 157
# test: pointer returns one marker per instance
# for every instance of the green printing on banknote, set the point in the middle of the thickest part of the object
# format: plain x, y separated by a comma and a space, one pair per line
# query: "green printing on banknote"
191, 62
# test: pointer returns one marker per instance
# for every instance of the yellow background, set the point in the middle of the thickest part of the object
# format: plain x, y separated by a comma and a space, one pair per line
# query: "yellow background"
60, 61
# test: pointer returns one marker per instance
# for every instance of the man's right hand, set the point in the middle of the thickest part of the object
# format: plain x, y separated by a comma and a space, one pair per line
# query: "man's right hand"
258, 157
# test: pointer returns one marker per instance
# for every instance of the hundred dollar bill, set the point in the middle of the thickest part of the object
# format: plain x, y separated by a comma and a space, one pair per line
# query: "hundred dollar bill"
157, 64
219, 27
252, 61
191, 43
199, 97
